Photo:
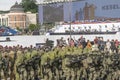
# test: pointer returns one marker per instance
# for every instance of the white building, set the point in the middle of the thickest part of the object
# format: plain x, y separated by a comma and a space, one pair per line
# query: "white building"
4, 19
31, 18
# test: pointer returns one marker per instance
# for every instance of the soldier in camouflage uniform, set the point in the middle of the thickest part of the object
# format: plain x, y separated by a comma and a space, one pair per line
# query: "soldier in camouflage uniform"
5, 61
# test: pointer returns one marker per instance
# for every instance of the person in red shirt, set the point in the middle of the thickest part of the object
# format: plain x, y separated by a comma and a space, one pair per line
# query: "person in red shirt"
116, 45
96, 40
72, 43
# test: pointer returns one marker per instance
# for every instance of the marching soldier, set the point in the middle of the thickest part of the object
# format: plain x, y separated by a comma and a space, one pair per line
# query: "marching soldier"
5, 61
12, 56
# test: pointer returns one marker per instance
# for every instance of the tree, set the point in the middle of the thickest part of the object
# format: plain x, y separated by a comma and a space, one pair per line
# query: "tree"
32, 27
48, 26
19, 29
29, 5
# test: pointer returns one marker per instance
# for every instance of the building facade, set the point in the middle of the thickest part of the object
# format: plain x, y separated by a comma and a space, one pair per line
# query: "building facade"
4, 19
17, 18
31, 18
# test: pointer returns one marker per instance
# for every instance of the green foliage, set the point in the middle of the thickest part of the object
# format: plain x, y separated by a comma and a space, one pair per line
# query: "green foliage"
48, 26
19, 29
32, 27
29, 5
2, 12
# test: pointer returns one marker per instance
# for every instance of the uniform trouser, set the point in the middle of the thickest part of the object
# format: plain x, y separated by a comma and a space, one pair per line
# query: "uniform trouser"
114, 49
101, 48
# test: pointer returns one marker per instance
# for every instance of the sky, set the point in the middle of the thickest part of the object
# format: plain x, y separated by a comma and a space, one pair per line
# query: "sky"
6, 4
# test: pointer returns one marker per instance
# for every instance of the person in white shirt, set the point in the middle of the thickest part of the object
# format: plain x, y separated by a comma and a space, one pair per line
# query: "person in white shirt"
108, 45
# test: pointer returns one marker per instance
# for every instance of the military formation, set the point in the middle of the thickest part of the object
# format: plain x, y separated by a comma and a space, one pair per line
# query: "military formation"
16, 62
63, 62
74, 64
67, 63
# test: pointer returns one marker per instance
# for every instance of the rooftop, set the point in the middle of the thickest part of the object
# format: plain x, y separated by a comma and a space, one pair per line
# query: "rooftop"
16, 8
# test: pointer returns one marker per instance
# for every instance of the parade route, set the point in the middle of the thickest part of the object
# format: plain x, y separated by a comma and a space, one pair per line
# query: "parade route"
27, 40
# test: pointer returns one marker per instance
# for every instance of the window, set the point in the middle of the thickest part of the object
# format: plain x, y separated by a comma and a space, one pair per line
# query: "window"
78, 27
89, 27
105, 26
15, 18
15, 25
21, 17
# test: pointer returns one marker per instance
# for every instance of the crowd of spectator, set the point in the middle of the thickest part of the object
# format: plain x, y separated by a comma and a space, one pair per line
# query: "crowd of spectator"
97, 44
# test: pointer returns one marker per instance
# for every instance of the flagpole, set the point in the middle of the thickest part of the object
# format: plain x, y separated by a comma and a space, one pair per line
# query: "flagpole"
70, 18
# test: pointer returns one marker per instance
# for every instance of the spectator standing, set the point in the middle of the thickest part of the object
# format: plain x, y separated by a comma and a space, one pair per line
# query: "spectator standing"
116, 45
61, 42
72, 43
113, 45
102, 44
82, 41
89, 45
96, 40
108, 45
